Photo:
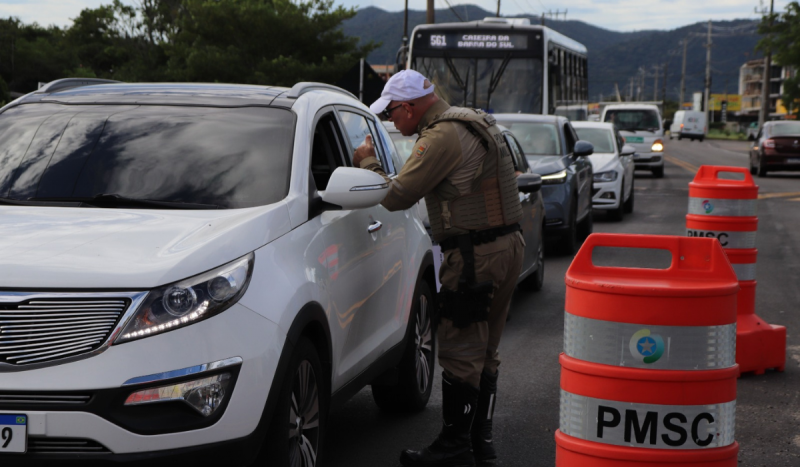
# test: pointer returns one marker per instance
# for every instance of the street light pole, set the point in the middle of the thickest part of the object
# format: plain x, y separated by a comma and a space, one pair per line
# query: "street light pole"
763, 115
708, 73
683, 75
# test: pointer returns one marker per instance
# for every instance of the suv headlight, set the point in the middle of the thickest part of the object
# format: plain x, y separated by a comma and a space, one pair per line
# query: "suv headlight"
555, 178
609, 176
188, 301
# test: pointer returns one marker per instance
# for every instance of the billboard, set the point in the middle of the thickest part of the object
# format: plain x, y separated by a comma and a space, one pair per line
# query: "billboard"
734, 102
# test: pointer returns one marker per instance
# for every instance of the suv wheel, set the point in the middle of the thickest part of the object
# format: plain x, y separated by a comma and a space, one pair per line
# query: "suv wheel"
303, 403
415, 372
618, 213
762, 167
658, 172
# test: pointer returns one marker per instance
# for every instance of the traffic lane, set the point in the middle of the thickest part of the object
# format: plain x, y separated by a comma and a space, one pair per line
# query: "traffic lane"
768, 406
527, 410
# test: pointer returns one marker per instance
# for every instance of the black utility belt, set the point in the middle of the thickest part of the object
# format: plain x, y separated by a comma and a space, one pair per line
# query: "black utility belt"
479, 237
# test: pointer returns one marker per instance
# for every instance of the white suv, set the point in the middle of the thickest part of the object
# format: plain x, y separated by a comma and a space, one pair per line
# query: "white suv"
194, 271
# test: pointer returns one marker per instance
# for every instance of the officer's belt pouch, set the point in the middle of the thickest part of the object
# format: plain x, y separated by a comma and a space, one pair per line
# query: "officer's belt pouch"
469, 304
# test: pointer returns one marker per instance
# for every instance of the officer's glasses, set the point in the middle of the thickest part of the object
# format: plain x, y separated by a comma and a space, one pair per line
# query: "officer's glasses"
387, 113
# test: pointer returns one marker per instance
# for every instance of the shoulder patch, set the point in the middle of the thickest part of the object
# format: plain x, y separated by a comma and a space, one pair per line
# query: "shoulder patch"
421, 149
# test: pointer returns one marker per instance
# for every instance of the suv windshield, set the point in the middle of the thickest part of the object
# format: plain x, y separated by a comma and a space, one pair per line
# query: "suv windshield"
536, 139
221, 157
634, 120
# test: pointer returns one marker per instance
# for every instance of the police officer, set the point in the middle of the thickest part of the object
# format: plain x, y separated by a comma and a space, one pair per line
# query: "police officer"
464, 170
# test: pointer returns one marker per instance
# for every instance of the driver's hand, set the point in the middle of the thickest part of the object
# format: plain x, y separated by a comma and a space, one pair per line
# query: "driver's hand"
364, 150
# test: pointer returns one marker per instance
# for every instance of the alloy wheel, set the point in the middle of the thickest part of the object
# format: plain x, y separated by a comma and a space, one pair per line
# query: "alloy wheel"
304, 415
424, 344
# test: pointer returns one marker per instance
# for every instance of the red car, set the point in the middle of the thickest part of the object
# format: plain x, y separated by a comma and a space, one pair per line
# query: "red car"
777, 147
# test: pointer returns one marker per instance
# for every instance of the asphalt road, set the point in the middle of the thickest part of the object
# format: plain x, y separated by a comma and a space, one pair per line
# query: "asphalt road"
527, 411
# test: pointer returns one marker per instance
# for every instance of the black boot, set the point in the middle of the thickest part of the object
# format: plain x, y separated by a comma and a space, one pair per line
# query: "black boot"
452, 448
482, 445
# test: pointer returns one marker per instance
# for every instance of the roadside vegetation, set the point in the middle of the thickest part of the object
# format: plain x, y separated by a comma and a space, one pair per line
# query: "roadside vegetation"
277, 42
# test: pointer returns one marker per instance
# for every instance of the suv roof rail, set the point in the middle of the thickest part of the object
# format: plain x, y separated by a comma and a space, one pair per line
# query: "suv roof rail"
306, 86
69, 83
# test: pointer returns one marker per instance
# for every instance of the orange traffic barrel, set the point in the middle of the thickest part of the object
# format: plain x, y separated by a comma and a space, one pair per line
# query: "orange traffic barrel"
725, 209
648, 372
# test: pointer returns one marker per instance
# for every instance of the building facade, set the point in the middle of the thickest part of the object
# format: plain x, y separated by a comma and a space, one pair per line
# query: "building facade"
751, 80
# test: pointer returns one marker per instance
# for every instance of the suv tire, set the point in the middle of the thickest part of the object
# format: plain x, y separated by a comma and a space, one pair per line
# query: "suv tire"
303, 397
629, 202
570, 243
658, 172
415, 371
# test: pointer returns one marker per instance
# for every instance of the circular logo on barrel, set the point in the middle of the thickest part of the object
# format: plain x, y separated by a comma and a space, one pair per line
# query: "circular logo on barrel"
646, 347
708, 206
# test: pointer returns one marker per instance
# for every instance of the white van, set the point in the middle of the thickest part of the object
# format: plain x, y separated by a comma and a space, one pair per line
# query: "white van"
642, 128
688, 124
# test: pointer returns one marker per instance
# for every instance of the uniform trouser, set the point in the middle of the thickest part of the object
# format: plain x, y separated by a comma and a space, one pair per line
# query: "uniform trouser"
465, 352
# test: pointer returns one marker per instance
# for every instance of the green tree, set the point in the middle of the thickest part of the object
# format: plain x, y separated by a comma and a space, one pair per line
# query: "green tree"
276, 42
781, 36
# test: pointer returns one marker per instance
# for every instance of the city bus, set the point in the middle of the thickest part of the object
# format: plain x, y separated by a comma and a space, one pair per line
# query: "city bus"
503, 65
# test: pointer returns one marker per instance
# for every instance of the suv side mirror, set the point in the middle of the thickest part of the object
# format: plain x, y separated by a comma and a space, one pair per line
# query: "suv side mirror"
583, 148
627, 150
353, 188
529, 183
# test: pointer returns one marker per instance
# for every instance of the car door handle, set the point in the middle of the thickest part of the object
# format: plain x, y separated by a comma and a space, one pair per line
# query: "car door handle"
374, 227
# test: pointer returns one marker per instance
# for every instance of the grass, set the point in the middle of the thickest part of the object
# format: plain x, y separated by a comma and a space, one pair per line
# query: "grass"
717, 134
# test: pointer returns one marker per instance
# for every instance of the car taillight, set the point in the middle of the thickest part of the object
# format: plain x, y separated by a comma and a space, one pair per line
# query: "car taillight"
769, 144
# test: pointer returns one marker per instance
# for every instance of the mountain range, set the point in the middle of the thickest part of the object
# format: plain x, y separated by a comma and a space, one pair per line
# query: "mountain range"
614, 57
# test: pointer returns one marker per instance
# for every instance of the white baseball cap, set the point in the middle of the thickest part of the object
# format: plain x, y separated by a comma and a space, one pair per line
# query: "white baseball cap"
402, 86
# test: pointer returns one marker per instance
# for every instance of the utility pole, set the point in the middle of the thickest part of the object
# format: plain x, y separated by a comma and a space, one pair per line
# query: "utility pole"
630, 95
616, 88
498, 9
655, 83
683, 75
430, 19
708, 74
763, 115
664, 85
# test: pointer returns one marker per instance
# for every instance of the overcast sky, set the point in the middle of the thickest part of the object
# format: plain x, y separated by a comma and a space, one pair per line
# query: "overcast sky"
617, 15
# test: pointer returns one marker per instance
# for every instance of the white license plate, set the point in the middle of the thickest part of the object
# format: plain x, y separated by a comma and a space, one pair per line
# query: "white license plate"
13, 433
793, 160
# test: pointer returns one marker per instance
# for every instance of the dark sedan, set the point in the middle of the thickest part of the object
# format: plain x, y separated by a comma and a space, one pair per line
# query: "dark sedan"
777, 147
553, 151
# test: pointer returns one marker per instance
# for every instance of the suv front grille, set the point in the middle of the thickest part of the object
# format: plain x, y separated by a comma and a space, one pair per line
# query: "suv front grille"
41, 330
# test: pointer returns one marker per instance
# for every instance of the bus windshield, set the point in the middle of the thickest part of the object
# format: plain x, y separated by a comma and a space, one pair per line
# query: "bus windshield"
496, 85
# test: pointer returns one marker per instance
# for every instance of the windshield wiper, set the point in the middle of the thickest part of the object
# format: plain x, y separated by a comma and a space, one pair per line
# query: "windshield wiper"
30, 202
107, 200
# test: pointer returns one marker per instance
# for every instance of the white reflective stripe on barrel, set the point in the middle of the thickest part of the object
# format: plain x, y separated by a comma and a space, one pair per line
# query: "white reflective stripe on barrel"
728, 239
745, 272
722, 207
648, 346
652, 426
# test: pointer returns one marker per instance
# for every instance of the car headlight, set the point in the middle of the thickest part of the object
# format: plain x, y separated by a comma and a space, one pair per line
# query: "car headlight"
658, 146
188, 301
555, 178
609, 176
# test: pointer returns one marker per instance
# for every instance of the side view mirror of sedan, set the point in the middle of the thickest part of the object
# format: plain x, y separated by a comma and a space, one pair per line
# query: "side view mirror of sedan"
627, 150
529, 183
583, 148
353, 188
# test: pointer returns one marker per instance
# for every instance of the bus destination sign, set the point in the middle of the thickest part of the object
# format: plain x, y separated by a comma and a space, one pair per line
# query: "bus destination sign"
473, 41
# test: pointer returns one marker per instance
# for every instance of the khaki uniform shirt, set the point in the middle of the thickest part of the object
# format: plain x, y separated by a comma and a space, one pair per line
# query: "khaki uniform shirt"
446, 150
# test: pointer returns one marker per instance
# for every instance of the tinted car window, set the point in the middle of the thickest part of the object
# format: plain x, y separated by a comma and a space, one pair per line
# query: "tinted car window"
632, 120
601, 139
537, 139
356, 129
230, 158
785, 129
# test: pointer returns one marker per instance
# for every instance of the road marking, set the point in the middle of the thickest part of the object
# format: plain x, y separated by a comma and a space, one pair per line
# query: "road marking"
779, 195
683, 164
